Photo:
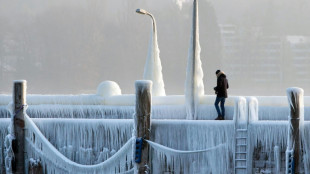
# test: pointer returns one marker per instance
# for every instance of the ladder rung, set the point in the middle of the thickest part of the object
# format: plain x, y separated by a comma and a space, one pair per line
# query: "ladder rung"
241, 137
239, 167
241, 144
241, 130
240, 152
240, 159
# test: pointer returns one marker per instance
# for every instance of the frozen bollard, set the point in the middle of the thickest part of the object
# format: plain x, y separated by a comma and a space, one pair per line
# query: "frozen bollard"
296, 104
252, 109
19, 99
240, 116
143, 120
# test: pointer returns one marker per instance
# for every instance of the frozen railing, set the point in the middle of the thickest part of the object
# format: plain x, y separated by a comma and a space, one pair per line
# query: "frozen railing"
268, 129
165, 107
78, 139
191, 136
276, 107
38, 147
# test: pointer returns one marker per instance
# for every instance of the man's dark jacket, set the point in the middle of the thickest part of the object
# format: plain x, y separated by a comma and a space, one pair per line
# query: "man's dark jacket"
222, 86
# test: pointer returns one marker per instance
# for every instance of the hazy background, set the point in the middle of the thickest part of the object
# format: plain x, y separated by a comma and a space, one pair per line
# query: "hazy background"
71, 46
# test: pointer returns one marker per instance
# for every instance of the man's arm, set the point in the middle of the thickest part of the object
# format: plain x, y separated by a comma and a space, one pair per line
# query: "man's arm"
227, 84
218, 85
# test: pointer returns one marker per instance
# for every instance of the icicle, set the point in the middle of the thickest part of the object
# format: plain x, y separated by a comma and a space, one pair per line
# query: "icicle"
80, 111
194, 87
277, 159
306, 147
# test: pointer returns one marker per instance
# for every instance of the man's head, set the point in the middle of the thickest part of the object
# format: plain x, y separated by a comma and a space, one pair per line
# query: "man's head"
218, 73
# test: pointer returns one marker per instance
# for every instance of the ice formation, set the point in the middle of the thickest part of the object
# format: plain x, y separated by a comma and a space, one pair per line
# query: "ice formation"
192, 136
108, 88
70, 145
55, 162
153, 68
306, 146
264, 135
277, 159
78, 139
252, 109
80, 111
194, 87
197, 161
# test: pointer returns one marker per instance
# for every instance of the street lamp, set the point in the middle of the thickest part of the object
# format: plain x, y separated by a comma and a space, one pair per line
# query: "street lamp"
153, 68
144, 12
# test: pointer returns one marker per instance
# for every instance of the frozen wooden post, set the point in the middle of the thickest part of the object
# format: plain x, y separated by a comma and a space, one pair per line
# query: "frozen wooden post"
35, 167
19, 99
142, 118
295, 100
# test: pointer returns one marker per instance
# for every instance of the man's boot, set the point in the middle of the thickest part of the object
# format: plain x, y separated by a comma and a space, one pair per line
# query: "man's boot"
219, 117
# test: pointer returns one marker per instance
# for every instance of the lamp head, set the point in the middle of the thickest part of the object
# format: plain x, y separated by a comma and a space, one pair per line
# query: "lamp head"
141, 11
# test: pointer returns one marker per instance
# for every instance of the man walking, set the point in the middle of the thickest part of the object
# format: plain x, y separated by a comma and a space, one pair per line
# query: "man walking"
221, 91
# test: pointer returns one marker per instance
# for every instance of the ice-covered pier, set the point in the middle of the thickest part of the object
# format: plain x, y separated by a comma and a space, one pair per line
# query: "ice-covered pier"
149, 132
94, 134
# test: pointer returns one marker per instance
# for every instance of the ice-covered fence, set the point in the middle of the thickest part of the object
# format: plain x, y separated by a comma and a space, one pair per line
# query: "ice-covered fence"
306, 147
115, 107
4, 124
86, 141
38, 147
276, 107
190, 136
263, 137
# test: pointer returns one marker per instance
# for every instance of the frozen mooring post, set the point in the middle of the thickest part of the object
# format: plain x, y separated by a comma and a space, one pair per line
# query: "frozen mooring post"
19, 99
295, 100
143, 123
18, 143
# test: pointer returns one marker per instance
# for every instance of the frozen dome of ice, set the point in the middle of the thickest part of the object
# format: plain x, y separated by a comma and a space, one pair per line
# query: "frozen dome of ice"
108, 88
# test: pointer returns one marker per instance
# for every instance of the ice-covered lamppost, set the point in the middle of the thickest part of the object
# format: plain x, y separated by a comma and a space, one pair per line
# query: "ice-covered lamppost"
194, 87
153, 68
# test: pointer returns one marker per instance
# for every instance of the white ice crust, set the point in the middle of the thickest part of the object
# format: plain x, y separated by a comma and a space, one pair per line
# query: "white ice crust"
108, 88
153, 68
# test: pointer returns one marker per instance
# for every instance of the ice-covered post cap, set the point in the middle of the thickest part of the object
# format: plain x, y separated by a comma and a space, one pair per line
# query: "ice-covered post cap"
296, 105
252, 103
294, 96
108, 88
22, 84
295, 90
143, 83
240, 110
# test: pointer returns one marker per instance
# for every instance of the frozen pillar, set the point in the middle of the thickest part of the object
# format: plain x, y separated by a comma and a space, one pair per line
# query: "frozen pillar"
19, 99
296, 104
194, 86
143, 120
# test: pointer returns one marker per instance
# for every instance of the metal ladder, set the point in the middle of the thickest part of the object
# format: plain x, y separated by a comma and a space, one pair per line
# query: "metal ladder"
241, 151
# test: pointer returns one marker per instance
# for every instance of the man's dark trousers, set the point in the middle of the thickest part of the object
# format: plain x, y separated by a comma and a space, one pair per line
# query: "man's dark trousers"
216, 103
